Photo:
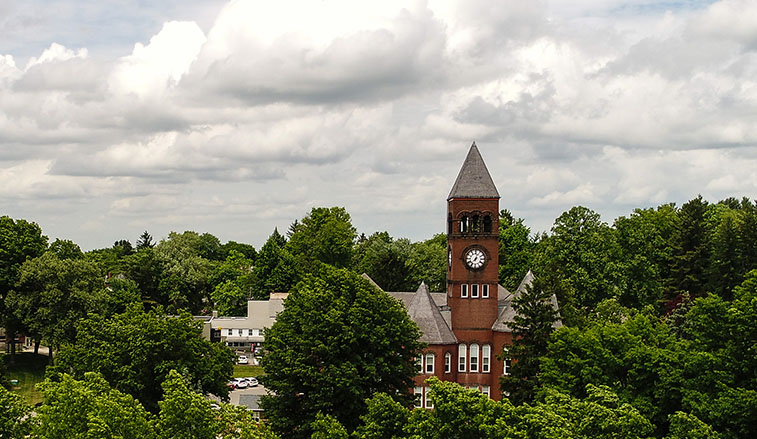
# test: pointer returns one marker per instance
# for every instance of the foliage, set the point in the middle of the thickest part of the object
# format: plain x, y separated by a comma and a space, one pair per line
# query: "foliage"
233, 282
385, 261
275, 269
186, 266
19, 240
532, 327
14, 415
337, 342
185, 414
516, 249
428, 263
145, 241
65, 249
135, 350
90, 408
52, 294
324, 235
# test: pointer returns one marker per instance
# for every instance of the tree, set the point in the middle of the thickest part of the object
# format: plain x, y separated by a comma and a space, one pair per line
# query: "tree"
428, 263
53, 294
186, 267
532, 328
692, 249
90, 408
232, 281
135, 350
275, 269
145, 268
185, 414
516, 249
386, 261
19, 240
338, 341
65, 249
123, 248
15, 422
145, 241
325, 235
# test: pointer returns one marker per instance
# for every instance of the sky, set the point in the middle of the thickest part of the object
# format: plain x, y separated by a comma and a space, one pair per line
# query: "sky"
233, 118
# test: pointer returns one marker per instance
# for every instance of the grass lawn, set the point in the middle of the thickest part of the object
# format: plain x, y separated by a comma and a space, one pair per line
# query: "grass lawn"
247, 370
29, 369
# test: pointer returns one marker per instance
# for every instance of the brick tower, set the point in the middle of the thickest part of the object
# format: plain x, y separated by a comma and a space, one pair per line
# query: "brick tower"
472, 272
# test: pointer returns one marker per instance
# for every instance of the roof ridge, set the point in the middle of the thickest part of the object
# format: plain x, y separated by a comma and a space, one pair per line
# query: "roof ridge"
425, 313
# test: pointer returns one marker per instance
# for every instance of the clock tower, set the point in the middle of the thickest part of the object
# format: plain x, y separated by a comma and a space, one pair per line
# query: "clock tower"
472, 266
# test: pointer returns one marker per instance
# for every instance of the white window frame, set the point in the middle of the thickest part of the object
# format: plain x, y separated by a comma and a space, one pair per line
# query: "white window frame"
473, 358
485, 291
462, 357
486, 390
474, 291
418, 392
429, 404
447, 362
507, 362
430, 358
464, 290
419, 364
486, 351
229, 331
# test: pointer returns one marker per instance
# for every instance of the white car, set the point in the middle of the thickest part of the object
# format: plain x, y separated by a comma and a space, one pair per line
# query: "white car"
240, 383
243, 360
251, 381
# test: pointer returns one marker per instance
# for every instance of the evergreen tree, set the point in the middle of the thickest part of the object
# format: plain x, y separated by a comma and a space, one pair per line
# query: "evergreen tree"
532, 327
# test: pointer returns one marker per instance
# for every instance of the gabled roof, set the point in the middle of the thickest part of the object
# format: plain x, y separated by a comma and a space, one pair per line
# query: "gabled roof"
425, 313
473, 180
507, 312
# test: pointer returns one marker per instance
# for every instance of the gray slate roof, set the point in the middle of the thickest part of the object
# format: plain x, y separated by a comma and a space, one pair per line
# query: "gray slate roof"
251, 402
507, 313
474, 180
424, 311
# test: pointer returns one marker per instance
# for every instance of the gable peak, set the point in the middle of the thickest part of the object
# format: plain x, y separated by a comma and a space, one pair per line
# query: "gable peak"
473, 180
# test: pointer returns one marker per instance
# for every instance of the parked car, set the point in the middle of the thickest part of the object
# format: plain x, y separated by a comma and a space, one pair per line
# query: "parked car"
252, 381
232, 384
243, 359
240, 383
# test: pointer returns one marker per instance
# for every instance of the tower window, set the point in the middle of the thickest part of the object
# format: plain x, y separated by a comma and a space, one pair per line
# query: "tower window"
465, 224
449, 224
487, 224
476, 224
485, 291
474, 290
464, 290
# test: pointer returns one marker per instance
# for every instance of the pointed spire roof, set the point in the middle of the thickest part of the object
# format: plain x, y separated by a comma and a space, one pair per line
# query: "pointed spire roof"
473, 180
425, 313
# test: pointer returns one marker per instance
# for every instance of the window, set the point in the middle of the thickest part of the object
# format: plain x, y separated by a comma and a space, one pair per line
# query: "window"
474, 358
447, 362
229, 332
419, 365
507, 363
429, 402
464, 224
486, 390
418, 392
239, 331
449, 224
487, 224
249, 332
430, 363
461, 358
485, 360
485, 291
464, 290
476, 224
474, 290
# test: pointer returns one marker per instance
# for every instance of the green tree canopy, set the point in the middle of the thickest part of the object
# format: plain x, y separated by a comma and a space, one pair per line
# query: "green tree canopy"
338, 341
135, 350
324, 235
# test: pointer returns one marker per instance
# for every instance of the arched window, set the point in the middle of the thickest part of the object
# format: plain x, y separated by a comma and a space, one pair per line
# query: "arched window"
487, 224
447, 362
476, 225
474, 358
465, 224
430, 363
461, 357
449, 224
485, 358
419, 364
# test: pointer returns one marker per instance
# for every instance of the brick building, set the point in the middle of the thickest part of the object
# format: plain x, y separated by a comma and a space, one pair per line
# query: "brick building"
466, 327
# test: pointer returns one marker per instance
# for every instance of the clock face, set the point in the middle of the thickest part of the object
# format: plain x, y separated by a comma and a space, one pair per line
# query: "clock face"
475, 258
